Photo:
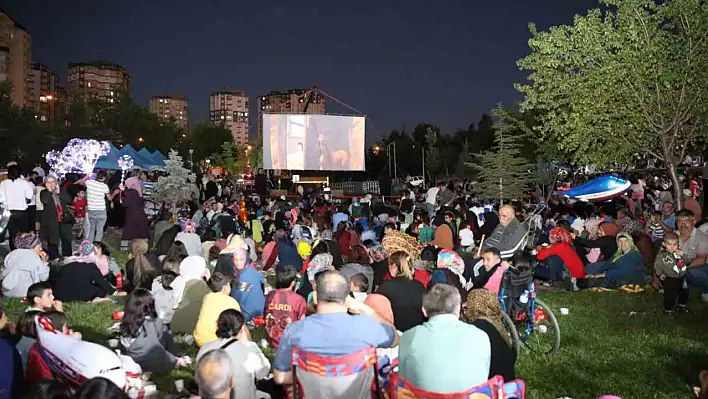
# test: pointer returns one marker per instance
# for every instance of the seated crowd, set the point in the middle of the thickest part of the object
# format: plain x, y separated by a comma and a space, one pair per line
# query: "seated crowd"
403, 298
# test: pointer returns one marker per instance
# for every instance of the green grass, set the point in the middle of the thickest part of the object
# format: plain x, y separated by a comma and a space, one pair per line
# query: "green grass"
604, 350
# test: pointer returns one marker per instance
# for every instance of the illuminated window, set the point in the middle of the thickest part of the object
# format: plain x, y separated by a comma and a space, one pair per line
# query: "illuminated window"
42, 99
160, 100
88, 84
111, 92
245, 114
43, 118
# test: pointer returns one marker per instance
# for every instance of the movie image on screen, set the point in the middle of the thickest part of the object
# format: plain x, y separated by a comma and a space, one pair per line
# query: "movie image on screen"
313, 142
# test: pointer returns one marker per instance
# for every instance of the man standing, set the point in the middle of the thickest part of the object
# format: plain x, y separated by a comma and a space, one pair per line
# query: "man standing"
96, 194
444, 354
431, 199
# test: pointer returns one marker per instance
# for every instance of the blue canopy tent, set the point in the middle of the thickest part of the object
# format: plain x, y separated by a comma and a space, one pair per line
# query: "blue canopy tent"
110, 160
158, 157
138, 160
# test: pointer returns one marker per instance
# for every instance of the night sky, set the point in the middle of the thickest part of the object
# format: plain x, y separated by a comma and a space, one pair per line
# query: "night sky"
399, 62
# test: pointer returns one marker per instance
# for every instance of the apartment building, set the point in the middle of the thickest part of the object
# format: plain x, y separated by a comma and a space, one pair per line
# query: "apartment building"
15, 58
291, 101
99, 79
231, 109
172, 107
47, 98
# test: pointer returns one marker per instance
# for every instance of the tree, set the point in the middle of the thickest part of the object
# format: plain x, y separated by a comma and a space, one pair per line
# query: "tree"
256, 155
503, 173
432, 153
207, 138
233, 158
178, 186
632, 78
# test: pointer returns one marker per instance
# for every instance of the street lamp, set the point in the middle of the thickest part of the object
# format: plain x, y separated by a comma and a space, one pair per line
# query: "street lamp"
191, 164
140, 139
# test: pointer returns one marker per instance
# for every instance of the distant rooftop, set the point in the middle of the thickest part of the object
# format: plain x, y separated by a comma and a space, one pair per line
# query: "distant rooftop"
97, 63
14, 21
232, 92
171, 97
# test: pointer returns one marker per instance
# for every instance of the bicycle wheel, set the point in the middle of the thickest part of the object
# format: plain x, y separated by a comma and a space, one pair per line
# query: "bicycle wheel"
511, 333
544, 336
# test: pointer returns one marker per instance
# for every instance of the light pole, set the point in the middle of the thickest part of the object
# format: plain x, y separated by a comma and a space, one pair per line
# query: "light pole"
248, 159
388, 151
191, 164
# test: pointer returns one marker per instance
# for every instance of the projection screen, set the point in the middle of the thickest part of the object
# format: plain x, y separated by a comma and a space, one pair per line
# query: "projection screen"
313, 142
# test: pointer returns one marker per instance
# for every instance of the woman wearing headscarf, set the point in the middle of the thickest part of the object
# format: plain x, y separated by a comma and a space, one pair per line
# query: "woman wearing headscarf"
483, 311
80, 278
625, 267
192, 272
453, 262
136, 223
558, 257
606, 233
382, 306
190, 238
247, 285
24, 266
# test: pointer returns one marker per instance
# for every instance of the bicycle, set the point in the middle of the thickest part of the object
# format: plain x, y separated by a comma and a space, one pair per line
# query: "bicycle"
526, 318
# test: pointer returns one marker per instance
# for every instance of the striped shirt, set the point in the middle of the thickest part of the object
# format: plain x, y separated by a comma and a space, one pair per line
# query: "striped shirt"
148, 188
96, 195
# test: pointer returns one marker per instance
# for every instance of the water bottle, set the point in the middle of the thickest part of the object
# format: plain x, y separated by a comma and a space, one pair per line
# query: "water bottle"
119, 280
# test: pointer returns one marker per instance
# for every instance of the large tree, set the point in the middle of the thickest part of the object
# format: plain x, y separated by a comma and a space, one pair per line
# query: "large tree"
503, 172
206, 138
631, 78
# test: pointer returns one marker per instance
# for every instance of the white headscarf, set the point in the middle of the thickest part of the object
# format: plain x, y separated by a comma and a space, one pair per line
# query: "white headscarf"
193, 268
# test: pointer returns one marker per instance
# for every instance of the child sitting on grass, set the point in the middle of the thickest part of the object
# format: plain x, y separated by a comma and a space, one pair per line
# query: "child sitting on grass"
283, 305
40, 297
215, 302
671, 269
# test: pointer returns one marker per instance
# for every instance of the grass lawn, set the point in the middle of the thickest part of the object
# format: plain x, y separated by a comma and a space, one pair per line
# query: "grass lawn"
604, 350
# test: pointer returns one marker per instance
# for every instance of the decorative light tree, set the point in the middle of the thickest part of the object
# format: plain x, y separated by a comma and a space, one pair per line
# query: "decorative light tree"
79, 156
179, 186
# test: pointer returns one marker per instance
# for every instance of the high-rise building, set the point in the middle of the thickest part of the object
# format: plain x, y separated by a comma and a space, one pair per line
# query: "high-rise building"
289, 102
47, 97
168, 107
100, 79
15, 58
231, 109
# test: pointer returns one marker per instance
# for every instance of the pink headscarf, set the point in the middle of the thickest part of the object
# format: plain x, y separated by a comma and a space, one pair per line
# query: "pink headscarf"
135, 184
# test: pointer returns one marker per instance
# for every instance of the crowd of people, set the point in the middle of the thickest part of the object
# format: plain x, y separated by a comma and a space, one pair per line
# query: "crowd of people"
394, 292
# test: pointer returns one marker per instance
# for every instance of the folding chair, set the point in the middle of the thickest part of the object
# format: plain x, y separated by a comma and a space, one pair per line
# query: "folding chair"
495, 388
344, 377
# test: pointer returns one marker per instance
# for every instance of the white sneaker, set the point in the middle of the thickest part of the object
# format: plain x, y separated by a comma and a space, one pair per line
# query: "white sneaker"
704, 297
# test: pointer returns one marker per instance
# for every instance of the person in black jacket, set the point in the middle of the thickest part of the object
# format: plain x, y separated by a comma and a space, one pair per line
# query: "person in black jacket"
80, 279
484, 312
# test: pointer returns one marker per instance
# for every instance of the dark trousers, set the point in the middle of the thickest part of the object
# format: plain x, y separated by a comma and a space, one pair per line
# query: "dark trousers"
52, 251
674, 288
550, 269
67, 237
18, 223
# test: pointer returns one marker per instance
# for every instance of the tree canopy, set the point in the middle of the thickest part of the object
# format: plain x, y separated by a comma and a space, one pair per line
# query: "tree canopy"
629, 79
207, 138
503, 172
